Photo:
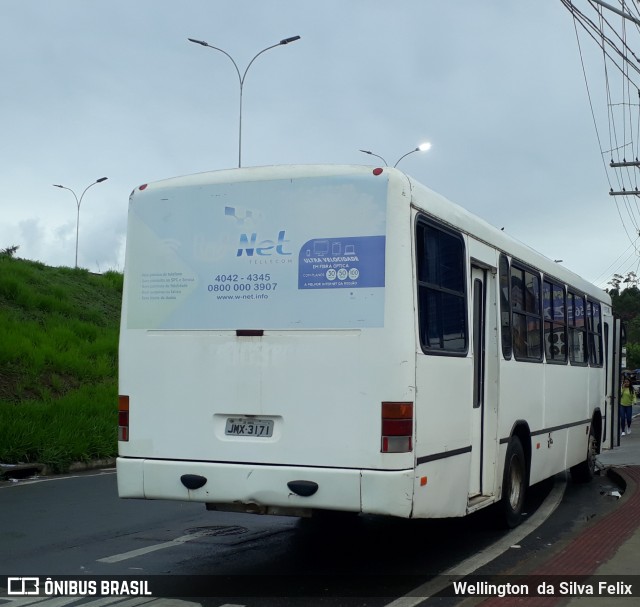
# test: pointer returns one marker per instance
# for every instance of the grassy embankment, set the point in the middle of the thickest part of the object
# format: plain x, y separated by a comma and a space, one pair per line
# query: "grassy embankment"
58, 363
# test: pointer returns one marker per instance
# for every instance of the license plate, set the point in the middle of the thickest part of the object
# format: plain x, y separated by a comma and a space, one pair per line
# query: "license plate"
244, 426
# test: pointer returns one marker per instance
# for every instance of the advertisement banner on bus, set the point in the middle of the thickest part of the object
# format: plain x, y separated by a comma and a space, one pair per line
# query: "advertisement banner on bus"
305, 254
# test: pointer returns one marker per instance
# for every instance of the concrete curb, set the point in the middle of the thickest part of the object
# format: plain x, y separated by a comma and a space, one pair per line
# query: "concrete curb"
18, 471
93, 465
22, 471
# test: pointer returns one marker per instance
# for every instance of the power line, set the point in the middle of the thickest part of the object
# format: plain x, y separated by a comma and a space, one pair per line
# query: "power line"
617, 53
622, 265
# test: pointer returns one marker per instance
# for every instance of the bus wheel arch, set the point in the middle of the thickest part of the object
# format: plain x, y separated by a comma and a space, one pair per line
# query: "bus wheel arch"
515, 479
586, 469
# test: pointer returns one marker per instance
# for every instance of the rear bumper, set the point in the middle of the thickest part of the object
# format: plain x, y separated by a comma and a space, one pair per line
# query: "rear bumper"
264, 488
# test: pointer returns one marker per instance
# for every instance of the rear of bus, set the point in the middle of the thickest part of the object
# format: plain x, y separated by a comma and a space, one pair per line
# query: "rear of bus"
267, 346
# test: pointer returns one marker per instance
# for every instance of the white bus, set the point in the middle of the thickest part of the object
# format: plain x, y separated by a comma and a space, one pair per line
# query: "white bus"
340, 338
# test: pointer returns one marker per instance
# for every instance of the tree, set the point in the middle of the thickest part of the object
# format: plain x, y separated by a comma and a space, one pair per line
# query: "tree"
626, 305
630, 280
9, 251
625, 297
633, 355
615, 283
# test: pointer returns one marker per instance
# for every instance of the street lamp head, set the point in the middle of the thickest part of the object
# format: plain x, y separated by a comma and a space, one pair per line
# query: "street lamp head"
101, 179
423, 147
200, 42
287, 40
57, 185
376, 155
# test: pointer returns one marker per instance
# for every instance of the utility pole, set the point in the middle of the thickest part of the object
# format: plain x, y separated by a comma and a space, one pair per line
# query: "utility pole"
624, 163
618, 11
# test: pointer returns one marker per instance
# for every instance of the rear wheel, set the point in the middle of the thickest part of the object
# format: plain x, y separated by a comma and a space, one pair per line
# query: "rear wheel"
514, 484
586, 470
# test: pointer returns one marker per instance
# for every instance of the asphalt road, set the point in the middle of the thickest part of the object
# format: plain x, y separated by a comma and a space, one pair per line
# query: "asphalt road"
76, 525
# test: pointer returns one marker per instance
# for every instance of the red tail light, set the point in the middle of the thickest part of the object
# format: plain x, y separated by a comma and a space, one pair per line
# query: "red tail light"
123, 418
397, 427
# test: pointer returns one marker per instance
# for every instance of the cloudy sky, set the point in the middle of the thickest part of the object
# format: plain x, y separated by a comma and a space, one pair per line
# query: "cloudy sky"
94, 88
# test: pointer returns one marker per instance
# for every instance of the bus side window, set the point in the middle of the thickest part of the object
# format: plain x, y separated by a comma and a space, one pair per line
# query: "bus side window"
505, 307
555, 322
595, 334
578, 352
442, 312
526, 315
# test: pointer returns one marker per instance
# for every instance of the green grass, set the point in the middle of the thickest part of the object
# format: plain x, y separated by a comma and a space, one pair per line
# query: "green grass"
58, 363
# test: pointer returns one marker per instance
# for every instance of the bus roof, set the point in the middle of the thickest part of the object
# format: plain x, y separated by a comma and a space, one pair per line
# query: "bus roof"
425, 199
438, 206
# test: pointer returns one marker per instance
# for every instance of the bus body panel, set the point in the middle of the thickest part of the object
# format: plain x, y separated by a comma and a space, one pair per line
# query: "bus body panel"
446, 491
321, 387
287, 379
263, 488
230, 314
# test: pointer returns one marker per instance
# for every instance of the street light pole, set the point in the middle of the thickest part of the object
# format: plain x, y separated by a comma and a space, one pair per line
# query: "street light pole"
376, 155
241, 77
78, 203
423, 147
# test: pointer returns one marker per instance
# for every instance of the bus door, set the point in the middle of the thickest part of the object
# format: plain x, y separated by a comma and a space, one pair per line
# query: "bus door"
484, 395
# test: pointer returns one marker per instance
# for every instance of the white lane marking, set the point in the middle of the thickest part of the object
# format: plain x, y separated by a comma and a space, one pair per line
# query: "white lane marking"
47, 479
116, 558
473, 563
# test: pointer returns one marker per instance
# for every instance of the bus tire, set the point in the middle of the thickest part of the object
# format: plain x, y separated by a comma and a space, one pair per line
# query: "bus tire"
586, 470
514, 484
